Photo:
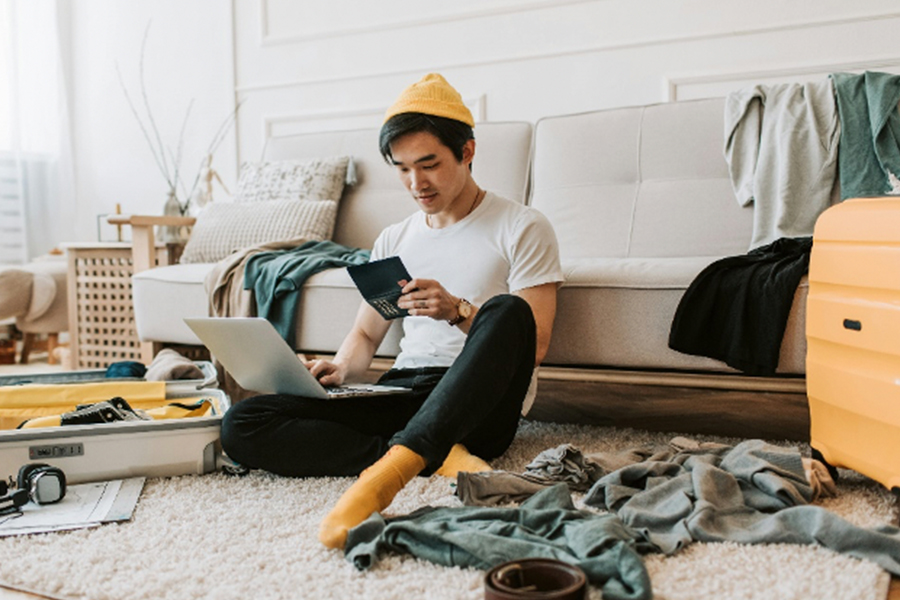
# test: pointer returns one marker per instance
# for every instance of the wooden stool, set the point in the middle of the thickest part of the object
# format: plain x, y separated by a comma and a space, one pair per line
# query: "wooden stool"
45, 313
35, 342
7, 343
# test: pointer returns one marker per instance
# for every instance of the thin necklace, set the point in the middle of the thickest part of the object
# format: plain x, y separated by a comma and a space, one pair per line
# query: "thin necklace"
469, 212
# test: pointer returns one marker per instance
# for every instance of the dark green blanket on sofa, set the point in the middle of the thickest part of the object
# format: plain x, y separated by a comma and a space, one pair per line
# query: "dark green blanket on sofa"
276, 278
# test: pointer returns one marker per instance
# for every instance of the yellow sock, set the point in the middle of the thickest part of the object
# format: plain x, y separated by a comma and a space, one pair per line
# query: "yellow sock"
460, 459
372, 492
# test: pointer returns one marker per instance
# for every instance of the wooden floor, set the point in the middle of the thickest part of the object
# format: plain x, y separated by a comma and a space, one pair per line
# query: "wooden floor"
670, 405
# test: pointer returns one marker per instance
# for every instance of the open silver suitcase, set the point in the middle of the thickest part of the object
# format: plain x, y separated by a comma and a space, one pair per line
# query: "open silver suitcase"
124, 449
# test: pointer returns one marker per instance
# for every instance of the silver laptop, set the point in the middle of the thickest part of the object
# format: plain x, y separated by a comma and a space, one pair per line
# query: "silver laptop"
259, 359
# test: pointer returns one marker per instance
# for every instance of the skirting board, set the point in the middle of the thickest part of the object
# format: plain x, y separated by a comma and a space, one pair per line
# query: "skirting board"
773, 408
770, 408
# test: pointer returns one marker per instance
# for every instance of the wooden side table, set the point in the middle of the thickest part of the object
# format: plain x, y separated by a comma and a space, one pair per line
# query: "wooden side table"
145, 254
101, 313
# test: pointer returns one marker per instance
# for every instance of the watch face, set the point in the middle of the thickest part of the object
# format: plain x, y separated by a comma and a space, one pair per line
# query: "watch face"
465, 309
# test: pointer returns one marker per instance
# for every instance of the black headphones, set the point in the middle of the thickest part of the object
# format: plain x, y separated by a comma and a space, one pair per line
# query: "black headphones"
36, 482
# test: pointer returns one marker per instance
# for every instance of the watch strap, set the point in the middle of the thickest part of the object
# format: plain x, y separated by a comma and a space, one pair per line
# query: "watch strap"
460, 317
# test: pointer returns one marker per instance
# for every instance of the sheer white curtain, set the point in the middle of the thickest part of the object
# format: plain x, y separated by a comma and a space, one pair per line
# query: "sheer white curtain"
36, 167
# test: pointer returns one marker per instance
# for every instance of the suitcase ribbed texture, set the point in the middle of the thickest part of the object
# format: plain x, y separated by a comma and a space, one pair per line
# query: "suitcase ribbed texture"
853, 336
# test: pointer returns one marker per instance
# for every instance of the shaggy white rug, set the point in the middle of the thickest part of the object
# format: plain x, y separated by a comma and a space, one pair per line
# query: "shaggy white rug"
220, 538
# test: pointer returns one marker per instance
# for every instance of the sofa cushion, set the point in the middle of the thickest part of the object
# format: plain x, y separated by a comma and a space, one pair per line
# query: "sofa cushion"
638, 273
502, 160
646, 181
223, 228
617, 312
164, 296
328, 305
313, 179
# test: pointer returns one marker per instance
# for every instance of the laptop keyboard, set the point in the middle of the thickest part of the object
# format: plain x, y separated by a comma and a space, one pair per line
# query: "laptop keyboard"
349, 391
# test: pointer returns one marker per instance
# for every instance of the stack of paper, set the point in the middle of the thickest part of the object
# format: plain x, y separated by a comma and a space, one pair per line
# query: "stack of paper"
85, 505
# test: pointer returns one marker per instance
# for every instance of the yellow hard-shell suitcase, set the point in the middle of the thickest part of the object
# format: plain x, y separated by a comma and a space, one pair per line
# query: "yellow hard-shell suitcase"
853, 337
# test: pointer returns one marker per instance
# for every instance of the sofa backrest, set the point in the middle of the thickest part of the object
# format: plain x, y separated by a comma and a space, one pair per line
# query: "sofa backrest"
647, 181
502, 161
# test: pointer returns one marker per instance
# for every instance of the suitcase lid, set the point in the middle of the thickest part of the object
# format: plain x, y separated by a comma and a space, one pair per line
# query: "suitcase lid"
209, 379
863, 220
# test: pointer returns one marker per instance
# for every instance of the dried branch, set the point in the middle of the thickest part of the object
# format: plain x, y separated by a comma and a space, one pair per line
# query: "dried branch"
161, 153
162, 149
223, 129
137, 117
177, 158
182, 206
218, 138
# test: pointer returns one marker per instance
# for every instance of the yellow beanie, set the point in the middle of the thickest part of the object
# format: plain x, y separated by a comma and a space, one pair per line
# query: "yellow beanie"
432, 95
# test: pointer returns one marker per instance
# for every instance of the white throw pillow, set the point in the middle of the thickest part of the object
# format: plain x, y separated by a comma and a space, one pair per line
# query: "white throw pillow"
317, 179
223, 228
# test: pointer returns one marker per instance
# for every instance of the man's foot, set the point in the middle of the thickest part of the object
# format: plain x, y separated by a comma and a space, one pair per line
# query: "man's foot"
460, 459
372, 492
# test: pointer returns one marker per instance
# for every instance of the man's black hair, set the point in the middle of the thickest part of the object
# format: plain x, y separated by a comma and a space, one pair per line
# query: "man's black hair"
451, 133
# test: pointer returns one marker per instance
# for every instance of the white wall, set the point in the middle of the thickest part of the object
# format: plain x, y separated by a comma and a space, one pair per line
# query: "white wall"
305, 65
315, 65
188, 56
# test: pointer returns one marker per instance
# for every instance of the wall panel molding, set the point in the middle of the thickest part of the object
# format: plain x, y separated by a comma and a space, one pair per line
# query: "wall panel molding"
673, 84
593, 49
360, 117
266, 39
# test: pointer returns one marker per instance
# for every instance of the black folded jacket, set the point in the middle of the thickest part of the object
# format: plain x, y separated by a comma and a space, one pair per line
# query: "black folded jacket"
737, 308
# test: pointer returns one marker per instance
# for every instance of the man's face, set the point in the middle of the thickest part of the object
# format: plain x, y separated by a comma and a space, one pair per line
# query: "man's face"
430, 171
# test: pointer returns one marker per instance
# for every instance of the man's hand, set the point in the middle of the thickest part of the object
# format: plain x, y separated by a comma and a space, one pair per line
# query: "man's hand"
327, 372
428, 298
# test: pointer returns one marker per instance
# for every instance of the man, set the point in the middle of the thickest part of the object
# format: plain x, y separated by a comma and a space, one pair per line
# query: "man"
481, 305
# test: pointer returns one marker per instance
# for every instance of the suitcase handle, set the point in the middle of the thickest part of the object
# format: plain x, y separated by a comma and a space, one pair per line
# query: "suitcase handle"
852, 324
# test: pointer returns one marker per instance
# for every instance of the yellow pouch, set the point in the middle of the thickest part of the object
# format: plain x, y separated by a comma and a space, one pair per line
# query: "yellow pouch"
37, 422
20, 403
185, 408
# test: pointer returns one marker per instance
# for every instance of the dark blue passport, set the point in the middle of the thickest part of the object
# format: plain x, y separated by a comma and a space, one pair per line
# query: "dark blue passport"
380, 282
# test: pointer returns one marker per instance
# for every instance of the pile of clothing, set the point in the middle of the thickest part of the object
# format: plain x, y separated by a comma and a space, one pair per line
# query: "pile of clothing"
786, 146
644, 500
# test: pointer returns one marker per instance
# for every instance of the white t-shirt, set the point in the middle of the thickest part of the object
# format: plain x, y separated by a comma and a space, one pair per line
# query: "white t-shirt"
501, 247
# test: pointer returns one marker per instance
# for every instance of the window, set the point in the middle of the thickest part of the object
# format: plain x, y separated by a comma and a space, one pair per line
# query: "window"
36, 181
30, 90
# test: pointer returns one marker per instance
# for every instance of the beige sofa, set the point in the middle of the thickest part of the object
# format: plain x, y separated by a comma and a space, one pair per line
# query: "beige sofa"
641, 202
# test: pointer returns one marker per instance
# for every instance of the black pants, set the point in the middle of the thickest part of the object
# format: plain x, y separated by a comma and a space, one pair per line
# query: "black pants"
476, 402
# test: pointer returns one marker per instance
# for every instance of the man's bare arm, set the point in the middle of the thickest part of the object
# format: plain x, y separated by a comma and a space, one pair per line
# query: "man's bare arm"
428, 298
357, 350
542, 299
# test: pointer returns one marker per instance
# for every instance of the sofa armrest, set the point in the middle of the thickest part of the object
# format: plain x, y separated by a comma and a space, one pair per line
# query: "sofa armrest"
143, 241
